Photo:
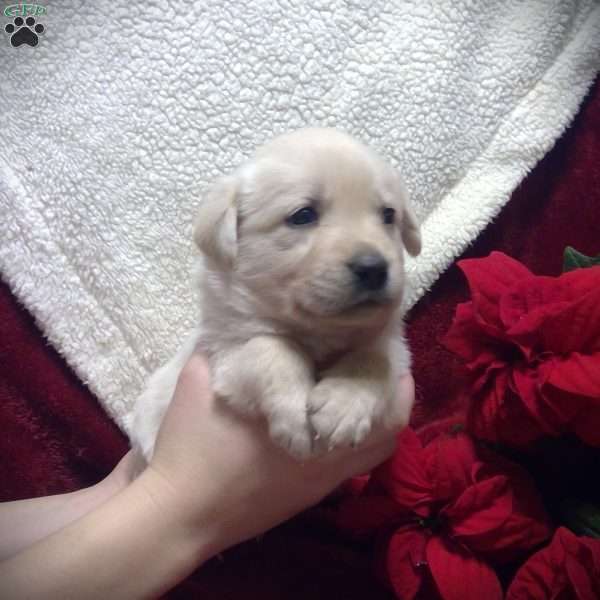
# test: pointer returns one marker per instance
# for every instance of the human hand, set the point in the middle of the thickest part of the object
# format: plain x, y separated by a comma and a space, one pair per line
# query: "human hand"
226, 481
215, 480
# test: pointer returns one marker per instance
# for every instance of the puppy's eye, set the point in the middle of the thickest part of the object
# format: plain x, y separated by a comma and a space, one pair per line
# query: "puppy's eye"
388, 215
303, 216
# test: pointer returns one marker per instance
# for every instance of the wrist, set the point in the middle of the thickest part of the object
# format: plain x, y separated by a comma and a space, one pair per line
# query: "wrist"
137, 540
186, 523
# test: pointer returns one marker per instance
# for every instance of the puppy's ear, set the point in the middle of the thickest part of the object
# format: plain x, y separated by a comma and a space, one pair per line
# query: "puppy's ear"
215, 226
410, 230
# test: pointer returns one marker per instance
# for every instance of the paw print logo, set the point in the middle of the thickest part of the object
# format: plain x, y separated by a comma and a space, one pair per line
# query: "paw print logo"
24, 31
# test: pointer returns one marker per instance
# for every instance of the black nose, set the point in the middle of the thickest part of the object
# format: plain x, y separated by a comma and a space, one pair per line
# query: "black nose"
370, 271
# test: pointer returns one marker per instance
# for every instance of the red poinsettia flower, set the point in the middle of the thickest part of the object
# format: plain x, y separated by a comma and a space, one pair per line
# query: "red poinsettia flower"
532, 347
568, 569
447, 509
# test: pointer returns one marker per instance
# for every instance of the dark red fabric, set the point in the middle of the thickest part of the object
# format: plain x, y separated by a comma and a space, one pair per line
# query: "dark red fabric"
55, 438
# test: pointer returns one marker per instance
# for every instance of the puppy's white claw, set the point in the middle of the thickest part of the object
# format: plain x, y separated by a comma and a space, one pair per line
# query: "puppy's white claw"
362, 431
296, 440
341, 415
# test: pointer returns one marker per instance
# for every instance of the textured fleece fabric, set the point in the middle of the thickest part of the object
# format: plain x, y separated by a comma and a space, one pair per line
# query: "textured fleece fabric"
55, 437
115, 123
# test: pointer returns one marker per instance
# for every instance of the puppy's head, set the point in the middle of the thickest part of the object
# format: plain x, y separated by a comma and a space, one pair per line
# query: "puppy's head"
313, 227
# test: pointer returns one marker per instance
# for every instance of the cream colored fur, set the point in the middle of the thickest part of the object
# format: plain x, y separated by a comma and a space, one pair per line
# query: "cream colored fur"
288, 335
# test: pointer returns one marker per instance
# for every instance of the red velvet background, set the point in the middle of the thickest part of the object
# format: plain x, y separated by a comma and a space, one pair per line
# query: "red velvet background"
56, 438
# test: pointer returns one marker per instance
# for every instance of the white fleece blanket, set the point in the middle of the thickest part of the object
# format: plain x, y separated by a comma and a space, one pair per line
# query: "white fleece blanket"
115, 123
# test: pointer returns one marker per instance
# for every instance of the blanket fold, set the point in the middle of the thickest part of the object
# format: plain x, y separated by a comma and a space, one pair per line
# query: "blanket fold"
123, 113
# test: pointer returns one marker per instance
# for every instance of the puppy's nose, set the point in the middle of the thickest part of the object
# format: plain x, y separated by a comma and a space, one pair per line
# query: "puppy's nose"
370, 271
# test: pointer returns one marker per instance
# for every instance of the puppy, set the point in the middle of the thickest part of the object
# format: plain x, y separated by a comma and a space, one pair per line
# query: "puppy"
301, 282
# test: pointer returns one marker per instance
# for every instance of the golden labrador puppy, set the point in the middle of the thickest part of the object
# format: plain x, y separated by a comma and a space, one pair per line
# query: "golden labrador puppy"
301, 282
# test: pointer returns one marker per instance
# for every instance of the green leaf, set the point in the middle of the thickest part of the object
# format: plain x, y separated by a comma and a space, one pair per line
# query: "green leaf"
575, 260
582, 518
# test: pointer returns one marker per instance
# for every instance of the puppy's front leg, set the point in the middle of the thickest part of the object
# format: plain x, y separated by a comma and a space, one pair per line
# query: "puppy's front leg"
271, 376
357, 392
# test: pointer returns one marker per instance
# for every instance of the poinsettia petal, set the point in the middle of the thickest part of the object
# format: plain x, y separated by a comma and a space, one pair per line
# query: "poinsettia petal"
528, 383
463, 337
466, 339
479, 513
593, 564
458, 574
489, 278
576, 328
364, 515
555, 314
570, 395
577, 373
579, 282
542, 577
500, 517
585, 587
403, 476
498, 414
488, 374
580, 414
567, 568
405, 561
484, 409
449, 461
530, 299
580, 563
587, 424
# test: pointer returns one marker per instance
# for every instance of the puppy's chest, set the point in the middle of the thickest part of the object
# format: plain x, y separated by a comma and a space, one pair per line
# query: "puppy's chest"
325, 350
322, 364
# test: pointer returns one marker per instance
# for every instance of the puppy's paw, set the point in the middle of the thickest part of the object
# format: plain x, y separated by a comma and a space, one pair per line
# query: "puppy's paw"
231, 390
284, 411
293, 435
145, 424
341, 412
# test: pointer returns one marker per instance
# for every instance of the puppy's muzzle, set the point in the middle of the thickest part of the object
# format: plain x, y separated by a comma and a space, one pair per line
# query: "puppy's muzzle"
369, 271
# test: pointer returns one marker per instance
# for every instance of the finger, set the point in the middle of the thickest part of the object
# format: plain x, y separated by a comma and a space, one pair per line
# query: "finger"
192, 394
401, 407
194, 376
365, 460
129, 467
